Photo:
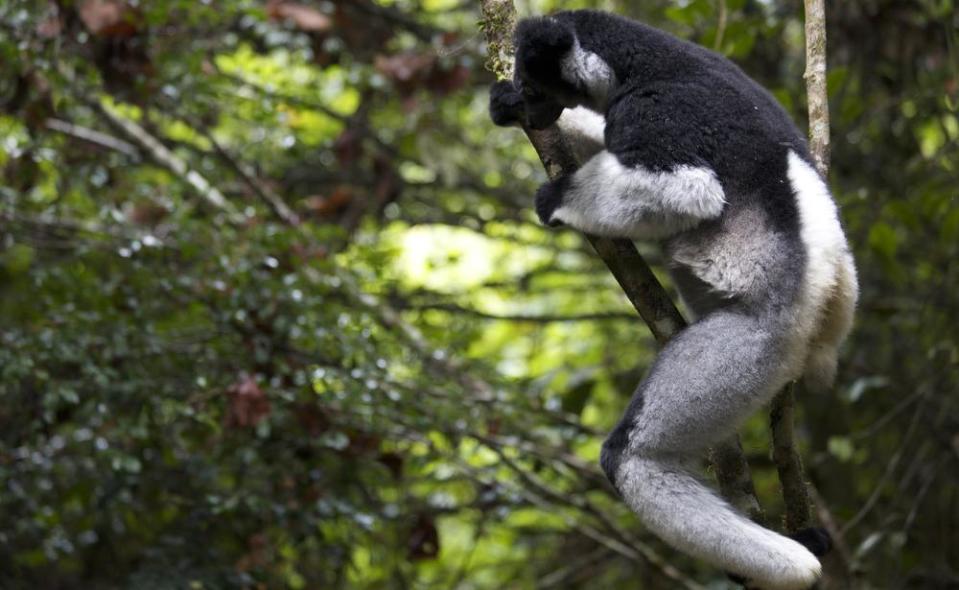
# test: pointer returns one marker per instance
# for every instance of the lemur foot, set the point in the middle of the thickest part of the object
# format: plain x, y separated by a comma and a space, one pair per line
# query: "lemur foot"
816, 539
549, 197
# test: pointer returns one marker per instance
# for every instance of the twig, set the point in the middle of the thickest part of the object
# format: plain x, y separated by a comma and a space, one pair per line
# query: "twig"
631, 271
581, 503
721, 25
519, 317
92, 136
887, 473
788, 461
272, 200
564, 575
164, 157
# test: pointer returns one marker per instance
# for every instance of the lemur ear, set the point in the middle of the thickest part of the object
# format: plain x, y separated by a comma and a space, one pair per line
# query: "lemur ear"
540, 44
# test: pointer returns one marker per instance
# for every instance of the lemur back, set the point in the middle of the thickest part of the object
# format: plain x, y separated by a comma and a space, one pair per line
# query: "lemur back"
678, 145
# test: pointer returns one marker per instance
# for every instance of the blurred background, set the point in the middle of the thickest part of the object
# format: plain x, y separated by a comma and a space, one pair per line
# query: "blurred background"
275, 311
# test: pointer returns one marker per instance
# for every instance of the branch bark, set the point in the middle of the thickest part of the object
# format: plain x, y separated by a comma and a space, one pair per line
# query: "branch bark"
625, 263
815, 76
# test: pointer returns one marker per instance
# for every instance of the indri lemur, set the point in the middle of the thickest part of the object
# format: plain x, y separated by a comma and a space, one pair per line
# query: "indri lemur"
678, 145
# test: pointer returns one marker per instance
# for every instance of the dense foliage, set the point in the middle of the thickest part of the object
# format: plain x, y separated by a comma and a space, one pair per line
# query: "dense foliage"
275, 311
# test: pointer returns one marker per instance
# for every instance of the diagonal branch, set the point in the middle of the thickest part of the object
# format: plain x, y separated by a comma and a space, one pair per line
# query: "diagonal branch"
631, 271
160, 154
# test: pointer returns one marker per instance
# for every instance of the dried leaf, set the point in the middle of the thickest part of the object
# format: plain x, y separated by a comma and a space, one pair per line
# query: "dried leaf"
303, 17
109, 18
328, 206
248, 404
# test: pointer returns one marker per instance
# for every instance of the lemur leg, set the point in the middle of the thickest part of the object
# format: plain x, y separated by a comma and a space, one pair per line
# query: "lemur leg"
705, 382
608, 198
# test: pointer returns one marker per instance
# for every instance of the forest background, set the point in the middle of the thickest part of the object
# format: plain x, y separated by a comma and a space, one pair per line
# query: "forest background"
275, 310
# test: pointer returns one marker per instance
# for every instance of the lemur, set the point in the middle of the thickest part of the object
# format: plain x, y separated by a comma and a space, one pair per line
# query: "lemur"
679, 146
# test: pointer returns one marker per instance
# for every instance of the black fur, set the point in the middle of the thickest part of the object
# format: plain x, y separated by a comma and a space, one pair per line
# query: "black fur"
816, 539
675, 103
611, 455
506, 104
548, 198
540, 43
512, 104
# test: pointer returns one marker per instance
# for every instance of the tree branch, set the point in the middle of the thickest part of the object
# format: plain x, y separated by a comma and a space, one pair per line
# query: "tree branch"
631, 271
166, 158
92, 136
785, 453
815, 76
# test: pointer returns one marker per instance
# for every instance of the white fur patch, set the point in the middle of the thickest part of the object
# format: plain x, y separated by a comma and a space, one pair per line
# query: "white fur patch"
609, 199
830, 288
587, 70
584, 131
675, 506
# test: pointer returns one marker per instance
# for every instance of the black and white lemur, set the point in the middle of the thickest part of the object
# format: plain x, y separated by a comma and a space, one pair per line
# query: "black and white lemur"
678, 145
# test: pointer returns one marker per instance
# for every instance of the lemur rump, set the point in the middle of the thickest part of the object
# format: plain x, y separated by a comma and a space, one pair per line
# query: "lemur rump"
678, 145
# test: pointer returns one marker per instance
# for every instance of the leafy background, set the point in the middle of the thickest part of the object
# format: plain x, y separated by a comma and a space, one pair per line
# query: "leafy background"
312, 336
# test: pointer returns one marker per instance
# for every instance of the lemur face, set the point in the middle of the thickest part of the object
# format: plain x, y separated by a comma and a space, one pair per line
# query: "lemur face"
542, 110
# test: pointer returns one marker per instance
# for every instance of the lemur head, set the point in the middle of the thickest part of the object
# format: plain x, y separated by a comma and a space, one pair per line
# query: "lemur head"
550, 60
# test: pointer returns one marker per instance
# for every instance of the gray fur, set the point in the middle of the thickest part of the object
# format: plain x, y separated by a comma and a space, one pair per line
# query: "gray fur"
607, 198
743, 279
588, 71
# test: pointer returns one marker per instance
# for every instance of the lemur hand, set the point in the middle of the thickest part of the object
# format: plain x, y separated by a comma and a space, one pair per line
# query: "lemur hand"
510, 104
506, 105
549, 198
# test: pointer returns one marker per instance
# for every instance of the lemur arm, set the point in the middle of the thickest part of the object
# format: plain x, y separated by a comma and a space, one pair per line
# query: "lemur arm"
651, 181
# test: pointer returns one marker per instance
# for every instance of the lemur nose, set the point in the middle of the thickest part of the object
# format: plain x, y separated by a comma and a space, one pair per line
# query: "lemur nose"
555, 223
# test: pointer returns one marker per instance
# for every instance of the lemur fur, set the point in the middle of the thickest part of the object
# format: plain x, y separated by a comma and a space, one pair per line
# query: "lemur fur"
678, 145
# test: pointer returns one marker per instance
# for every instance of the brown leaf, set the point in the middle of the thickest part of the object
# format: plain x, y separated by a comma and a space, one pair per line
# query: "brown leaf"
109, 18
147, 213
248, 404
447, 80
328, 206
312, 419
51, 26
301, 16
407, 70
348, 146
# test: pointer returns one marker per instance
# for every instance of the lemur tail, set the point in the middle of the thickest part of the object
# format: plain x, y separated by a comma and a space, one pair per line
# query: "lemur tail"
820, 370
674, 505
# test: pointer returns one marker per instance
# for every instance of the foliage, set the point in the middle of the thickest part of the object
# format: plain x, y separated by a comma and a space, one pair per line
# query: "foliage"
368, 366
